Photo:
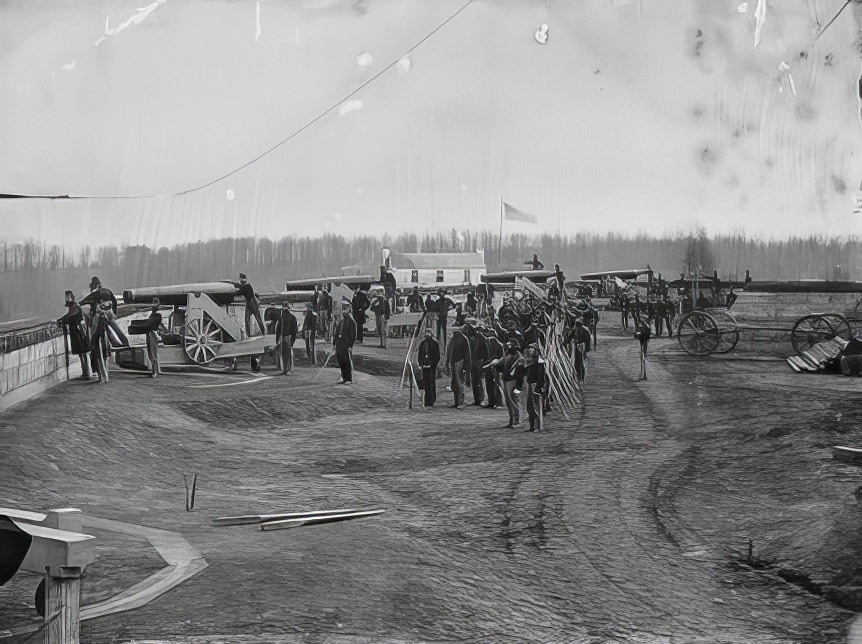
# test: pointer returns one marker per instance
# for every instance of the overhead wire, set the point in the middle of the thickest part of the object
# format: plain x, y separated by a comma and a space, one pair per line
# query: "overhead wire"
271, 149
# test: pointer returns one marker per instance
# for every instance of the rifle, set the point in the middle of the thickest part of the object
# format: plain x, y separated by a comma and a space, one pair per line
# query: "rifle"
66, 348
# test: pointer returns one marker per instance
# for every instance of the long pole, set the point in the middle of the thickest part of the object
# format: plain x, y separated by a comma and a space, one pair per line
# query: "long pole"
500, 240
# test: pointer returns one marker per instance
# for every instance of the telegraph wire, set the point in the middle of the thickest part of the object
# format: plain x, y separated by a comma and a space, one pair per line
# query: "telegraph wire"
269, 150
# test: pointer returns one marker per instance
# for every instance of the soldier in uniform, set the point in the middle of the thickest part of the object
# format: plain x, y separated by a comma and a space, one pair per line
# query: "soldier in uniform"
285, 336
324, 314
414, 301
493, 385
442, 307
360, 305
429, 358
580, 337
79, 338
659, 313
642, 335
343, 338
457, 358
252, 306
154, 326
511, 368
535, 376
309, 332
380, 308
479, 356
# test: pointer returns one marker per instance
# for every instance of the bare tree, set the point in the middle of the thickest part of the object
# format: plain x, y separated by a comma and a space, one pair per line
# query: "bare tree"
697, 254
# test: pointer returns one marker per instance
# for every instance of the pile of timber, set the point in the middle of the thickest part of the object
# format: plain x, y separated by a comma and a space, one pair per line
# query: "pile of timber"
818, 356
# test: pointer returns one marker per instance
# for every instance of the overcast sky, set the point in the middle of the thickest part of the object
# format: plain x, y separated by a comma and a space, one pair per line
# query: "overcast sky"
650, 116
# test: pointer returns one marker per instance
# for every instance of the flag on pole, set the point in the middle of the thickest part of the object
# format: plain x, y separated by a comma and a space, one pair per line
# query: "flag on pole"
513, 214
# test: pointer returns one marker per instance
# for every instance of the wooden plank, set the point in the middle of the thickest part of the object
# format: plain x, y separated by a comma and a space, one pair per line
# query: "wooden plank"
23, 515
331, 518
846, 453
247, 519
56, 548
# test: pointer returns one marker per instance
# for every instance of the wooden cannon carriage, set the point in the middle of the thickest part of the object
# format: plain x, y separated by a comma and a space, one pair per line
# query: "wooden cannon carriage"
770, 307
206, 324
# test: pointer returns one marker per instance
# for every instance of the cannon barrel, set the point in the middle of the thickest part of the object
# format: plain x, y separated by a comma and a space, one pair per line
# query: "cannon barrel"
221, 293
351, 281
288, 297
508, 277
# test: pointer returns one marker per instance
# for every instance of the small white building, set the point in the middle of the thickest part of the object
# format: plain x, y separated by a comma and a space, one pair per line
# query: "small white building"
424, 269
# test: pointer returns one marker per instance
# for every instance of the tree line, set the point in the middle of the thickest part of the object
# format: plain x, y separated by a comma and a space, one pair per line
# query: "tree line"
51, 269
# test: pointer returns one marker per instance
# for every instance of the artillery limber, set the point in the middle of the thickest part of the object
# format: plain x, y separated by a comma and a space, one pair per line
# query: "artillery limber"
205, 325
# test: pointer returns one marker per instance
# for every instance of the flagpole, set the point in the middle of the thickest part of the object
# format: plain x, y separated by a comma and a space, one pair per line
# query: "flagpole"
500, 241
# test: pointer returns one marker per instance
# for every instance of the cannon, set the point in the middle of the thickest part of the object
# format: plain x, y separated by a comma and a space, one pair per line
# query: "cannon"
205, 326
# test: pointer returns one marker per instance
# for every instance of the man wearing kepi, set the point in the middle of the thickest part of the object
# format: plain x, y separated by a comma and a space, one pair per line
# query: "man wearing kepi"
457, 358
154, 325
285, 336
343, 339
105, 300
309, 331
251, 304
429, 358
79, 338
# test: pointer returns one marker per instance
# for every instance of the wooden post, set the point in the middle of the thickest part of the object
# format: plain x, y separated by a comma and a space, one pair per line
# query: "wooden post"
63, 605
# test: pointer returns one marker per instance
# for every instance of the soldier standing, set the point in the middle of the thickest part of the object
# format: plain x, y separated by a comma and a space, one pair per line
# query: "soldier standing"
429, 358
580, 337
535, 375
343, 338
492, 377
511, 368
252, 306
360, 305
309, 332
457, 357
154, 326
285, 336
642, 335
324, 304
442, 306
479, 356
670, 314
73, 323
381, 310
660, 315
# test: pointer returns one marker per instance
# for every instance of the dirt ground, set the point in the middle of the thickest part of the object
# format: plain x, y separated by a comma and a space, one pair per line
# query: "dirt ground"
630, 522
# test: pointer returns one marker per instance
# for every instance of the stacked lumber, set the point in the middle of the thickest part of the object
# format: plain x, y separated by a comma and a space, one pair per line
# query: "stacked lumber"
817, 356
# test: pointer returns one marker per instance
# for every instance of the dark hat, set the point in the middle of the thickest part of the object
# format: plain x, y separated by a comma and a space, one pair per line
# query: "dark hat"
242, 276
67, 293
513, 344
579, 322
95, 280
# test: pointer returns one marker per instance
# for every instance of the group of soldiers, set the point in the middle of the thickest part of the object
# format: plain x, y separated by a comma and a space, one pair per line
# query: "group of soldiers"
500, 354
660, 312
93, 333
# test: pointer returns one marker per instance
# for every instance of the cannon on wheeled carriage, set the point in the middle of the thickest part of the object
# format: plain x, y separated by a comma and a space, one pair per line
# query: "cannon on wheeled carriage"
206, 325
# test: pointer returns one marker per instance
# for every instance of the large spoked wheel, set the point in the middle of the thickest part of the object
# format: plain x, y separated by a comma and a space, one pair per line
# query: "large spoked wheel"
818, 327
728, 331
698, 333
202, 340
